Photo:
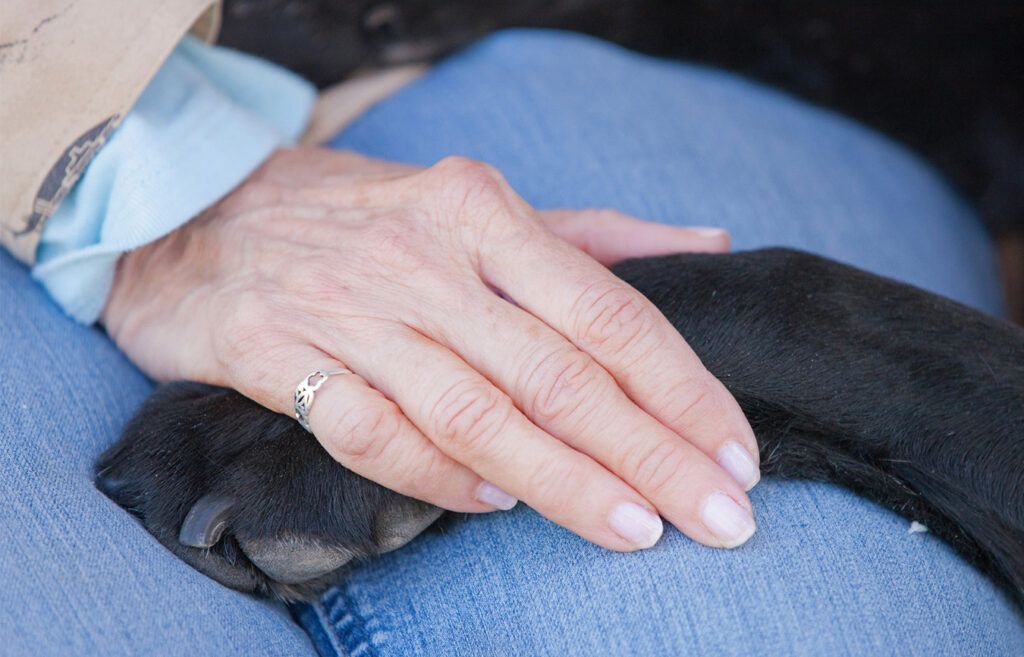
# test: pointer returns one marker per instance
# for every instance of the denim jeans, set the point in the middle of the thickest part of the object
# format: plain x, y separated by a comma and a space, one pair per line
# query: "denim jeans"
571, 122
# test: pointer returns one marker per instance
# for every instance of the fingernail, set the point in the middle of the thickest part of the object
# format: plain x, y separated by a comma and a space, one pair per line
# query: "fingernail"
636, 524
736, 460
488, 493
731, 524
709, 232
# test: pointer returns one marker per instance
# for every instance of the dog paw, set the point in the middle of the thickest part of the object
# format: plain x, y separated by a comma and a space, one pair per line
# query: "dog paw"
247, 497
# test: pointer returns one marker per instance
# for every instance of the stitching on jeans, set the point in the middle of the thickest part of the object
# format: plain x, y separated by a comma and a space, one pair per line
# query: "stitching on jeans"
350, 625
326, 630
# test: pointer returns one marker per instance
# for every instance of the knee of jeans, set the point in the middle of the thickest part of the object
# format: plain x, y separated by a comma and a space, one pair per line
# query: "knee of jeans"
583, 57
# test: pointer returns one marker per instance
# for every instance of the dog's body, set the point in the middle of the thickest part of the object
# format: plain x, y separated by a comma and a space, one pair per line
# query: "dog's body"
906, 398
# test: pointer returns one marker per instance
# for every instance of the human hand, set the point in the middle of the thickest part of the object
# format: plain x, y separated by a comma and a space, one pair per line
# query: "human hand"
490, 353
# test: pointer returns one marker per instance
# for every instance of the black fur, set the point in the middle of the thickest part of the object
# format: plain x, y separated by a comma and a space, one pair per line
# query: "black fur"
906, 398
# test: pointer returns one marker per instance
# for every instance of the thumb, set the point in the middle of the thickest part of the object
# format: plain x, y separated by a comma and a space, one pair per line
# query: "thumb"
609, 236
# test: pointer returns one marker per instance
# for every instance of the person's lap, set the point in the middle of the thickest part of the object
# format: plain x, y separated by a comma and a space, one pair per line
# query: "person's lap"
571, 123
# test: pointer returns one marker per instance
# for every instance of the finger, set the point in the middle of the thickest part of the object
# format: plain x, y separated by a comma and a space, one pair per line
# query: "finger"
564, 392
478, 425
367, 433
632, 340
609, 236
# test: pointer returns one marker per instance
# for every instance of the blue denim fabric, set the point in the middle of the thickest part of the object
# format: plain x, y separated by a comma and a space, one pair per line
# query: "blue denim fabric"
571, 122
78, 576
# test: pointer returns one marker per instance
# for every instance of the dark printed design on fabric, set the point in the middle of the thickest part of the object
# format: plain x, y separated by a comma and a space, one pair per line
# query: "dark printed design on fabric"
66, 172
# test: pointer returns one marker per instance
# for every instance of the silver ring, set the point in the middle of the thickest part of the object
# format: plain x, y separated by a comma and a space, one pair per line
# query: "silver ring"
305, 393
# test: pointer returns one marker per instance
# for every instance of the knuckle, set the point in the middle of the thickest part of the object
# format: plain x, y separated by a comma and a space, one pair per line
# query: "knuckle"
470, 414
464, 171
560, 384
683, 409
362, 432
473, 193
652, 467
555, 481
610, 316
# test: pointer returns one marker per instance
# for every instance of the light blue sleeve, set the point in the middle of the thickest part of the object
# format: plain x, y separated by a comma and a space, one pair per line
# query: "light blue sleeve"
208, 118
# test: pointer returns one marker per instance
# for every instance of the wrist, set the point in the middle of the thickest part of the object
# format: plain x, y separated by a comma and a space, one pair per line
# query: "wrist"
162, 278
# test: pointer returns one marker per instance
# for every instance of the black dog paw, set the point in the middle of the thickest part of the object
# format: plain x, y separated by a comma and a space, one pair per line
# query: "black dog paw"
248, 497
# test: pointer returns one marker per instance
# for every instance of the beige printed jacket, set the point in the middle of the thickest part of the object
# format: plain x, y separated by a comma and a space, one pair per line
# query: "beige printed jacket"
69, 72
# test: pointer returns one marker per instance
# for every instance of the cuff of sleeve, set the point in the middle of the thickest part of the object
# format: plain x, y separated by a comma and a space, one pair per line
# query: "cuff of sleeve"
205, 122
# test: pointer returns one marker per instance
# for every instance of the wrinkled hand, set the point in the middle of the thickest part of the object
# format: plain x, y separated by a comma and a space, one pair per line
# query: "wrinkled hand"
491, 353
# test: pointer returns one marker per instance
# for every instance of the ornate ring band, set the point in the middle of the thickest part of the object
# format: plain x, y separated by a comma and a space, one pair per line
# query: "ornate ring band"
305, 393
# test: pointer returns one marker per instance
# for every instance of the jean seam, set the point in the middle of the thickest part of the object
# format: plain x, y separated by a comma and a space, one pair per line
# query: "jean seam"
312, 617
350, 625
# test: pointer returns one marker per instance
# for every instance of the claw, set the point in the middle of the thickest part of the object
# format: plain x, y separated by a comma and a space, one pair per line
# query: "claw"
110, 486
206, 521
